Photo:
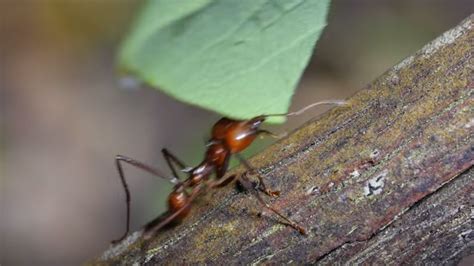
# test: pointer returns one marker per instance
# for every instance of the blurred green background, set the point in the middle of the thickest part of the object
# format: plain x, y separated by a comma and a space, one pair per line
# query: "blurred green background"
64, 116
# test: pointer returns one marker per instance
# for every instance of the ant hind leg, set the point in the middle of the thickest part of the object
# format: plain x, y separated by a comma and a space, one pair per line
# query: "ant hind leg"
119, 159
262, 185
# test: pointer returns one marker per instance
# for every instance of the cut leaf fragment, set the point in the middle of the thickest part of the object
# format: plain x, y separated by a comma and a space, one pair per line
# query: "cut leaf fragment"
238, 58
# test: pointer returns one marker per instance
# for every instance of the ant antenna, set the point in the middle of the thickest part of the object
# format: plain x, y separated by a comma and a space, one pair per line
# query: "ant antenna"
304, 109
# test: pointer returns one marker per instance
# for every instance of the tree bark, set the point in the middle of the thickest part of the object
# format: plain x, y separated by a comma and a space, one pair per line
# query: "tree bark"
387, 179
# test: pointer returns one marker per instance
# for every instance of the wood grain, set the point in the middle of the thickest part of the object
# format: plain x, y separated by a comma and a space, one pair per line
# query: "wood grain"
387, 179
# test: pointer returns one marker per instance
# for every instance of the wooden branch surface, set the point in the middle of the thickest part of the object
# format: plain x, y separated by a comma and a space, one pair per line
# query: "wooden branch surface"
388, 179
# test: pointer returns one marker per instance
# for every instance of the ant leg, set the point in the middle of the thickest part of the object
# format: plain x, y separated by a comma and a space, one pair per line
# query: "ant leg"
262, 185
248, 185
271, 134
222, 182
221, 169
118, 162
170, 159
152, 229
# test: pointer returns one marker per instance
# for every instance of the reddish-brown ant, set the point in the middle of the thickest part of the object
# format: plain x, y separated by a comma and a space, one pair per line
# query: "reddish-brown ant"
228, 136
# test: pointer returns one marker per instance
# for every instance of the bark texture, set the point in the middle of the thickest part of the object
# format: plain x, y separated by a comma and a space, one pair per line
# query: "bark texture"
387, 179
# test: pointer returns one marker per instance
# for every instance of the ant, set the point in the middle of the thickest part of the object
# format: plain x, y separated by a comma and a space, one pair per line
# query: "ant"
228, 137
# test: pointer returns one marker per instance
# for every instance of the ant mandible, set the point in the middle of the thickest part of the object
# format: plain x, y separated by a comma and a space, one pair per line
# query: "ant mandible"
228, 137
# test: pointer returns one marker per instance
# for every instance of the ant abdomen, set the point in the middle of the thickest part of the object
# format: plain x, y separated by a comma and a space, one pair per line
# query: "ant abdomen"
176, 201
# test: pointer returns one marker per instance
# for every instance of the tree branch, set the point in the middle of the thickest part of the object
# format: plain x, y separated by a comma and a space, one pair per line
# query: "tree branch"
388, 179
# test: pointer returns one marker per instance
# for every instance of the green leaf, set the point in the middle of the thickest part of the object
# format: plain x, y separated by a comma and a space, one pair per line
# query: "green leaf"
240, 58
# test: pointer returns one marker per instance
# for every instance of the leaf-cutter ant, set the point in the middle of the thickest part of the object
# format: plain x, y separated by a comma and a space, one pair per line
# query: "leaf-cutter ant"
228, 137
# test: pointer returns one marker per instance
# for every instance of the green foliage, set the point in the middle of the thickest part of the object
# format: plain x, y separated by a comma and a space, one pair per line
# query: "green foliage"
239, 58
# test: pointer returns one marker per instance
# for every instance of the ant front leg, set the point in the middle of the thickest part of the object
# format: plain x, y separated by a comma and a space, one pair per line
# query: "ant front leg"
222, 182
248, 185
119, 159
263, 132
262, 185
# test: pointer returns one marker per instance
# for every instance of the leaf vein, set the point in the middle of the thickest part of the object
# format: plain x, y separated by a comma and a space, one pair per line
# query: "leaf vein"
270, 57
